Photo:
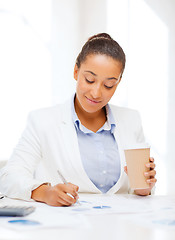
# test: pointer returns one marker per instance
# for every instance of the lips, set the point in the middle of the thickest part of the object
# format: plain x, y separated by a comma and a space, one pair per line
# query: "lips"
92, 101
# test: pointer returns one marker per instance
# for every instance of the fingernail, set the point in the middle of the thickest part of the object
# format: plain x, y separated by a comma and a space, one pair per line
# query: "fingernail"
146, 173
147, 165
148, 180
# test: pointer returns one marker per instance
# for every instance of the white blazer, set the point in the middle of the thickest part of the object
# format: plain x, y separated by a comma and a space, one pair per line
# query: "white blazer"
49, 142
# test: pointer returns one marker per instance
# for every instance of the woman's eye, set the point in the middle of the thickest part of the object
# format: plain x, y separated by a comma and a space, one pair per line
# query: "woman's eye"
89, 81
108, 87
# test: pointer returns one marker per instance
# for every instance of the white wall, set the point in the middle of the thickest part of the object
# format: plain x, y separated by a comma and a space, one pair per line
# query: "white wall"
151, 87
165, 9
146, 31
25, 62
148, 78
73, 21
64, 47
39, 43
92, 18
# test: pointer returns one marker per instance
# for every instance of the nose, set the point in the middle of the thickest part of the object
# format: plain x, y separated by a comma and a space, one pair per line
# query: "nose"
96, 91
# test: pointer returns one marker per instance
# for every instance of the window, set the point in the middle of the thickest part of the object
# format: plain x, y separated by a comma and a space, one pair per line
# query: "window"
25, 76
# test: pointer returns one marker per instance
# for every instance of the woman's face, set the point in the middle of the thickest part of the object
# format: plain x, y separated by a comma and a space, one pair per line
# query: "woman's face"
97, 79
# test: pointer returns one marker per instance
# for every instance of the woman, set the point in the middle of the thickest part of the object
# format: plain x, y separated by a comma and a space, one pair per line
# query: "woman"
82, 139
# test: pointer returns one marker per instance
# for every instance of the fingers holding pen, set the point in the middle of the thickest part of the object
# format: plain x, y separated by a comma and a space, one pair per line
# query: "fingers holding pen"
71, 191
68, 192
61, 195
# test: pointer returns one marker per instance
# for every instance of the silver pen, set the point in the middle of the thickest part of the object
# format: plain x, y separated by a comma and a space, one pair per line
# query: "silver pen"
62, 178
65, 182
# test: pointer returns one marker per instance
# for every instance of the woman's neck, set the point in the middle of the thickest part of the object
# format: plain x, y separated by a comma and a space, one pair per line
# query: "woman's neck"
93, 121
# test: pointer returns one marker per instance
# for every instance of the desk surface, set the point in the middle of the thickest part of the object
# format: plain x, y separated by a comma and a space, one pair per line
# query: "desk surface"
106, 225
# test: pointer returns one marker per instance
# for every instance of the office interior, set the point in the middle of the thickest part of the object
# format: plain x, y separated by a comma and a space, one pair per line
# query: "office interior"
40, 40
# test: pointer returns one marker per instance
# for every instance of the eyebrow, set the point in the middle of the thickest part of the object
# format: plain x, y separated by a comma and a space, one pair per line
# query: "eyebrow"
111, 78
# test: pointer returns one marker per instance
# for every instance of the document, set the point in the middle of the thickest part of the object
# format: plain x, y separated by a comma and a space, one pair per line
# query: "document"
44, 216
93, 204
162, 215
150, 211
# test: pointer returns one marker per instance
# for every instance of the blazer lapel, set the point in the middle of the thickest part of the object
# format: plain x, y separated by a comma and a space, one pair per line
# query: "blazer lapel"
72, 149
118, 185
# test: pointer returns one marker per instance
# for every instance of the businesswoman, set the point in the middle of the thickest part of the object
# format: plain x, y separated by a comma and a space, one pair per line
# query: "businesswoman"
82, 140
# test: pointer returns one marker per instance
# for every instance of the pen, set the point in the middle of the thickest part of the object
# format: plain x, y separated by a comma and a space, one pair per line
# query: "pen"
64, 181
1, 196
62, 178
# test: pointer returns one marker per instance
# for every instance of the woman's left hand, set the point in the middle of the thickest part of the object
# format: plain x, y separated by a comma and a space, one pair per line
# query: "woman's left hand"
151, 180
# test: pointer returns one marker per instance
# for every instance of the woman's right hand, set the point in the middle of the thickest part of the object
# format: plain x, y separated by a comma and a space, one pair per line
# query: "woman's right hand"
58, 195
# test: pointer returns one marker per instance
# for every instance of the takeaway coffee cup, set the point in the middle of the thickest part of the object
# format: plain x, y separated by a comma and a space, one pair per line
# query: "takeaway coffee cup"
136, 158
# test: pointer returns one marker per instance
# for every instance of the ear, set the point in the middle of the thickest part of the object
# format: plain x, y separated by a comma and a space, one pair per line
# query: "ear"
76, 72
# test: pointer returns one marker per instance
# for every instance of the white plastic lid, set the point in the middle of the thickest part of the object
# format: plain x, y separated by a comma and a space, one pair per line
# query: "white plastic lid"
137, 146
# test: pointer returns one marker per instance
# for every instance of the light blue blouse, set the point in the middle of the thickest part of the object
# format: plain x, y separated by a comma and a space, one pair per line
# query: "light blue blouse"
99, 152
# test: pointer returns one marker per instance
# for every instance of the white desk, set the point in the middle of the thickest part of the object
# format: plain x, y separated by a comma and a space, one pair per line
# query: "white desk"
108, 225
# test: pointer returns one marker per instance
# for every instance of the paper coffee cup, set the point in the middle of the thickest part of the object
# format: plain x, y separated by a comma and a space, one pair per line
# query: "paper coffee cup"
136, 158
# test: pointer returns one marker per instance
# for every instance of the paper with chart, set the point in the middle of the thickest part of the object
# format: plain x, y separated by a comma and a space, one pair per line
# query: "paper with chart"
44, 216
92, 204
148, 211
162, 215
